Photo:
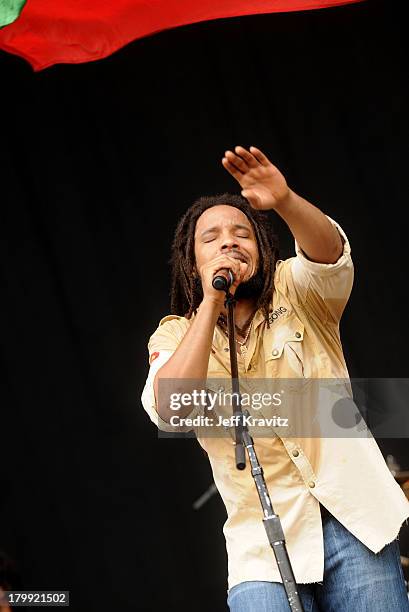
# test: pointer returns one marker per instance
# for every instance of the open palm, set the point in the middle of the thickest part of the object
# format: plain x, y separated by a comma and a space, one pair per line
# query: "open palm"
262, 183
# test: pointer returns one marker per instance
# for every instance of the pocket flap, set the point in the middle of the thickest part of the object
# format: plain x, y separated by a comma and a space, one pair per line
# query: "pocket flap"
291, 330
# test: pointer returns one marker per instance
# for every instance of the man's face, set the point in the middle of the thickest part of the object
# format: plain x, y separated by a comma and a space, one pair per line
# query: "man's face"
226, 230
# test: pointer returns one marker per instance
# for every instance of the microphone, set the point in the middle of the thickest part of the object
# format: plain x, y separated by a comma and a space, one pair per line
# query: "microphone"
221, 282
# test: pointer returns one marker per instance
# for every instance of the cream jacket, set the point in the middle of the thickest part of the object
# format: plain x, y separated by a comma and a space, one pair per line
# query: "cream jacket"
344, 470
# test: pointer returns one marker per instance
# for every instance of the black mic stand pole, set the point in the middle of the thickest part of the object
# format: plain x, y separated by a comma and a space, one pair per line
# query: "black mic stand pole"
272, 523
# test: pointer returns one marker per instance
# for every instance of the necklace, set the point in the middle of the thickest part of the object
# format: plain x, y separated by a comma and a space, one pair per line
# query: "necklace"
222, 322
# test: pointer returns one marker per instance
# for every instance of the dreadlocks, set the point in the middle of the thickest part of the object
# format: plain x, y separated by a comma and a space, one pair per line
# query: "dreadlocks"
186, 292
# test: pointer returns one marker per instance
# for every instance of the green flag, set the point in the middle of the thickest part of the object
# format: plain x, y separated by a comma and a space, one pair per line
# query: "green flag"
10, 10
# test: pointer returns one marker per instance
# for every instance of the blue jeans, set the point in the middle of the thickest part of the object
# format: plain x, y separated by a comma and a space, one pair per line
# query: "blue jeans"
355, 580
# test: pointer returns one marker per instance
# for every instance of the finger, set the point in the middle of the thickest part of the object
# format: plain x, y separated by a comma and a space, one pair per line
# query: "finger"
240, 270
237, 161
235, 172
225, 261
259, 155
240, 275
243, 270
251, 197
250, 160
233, 263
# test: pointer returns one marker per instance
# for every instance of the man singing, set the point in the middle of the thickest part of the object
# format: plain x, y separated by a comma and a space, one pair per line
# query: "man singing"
340, 508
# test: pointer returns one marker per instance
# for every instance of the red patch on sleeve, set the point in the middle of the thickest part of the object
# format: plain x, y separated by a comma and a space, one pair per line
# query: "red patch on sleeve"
153, 356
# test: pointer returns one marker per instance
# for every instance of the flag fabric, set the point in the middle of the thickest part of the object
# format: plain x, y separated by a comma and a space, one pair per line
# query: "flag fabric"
75, 31
10, 10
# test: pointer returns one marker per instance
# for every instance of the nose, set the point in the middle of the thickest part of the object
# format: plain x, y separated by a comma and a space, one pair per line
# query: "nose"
228, 243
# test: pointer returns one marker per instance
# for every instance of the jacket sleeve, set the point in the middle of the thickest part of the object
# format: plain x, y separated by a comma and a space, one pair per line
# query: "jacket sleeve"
162, 344
321, 289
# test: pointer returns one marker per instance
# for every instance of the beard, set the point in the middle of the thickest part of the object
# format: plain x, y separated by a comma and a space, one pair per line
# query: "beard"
251, 288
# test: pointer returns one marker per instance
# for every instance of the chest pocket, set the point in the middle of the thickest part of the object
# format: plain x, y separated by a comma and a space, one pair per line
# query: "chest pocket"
284, 350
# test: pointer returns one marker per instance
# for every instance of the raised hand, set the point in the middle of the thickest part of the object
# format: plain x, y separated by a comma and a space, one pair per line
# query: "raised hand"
262, 183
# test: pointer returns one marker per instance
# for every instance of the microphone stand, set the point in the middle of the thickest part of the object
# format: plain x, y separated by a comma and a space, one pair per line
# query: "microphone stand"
271, 521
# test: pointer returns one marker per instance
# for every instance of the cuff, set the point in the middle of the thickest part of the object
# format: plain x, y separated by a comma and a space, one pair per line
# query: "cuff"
323, 269
149, 401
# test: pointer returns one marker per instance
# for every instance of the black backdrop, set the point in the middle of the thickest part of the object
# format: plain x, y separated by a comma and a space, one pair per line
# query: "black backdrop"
98, 161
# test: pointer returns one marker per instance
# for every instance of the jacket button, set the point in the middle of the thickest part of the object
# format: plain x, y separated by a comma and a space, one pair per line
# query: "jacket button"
275, 352
311, 484
295, 453
297, 335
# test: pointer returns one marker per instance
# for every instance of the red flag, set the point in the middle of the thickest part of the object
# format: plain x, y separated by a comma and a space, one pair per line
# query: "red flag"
74, 31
